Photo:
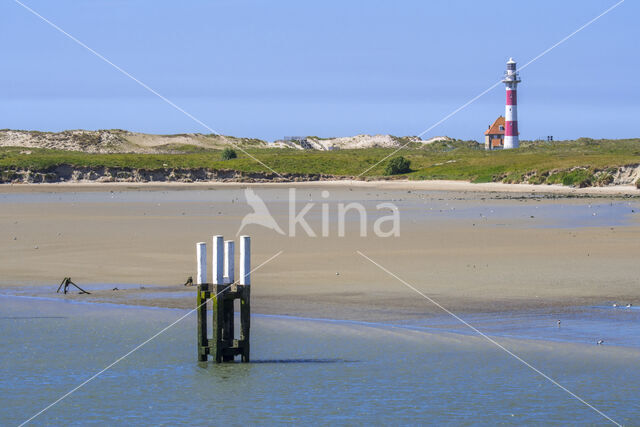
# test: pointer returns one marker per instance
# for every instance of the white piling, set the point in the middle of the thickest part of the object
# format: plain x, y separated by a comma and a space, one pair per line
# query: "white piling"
229, 262
218, 260
245, 260
201, 258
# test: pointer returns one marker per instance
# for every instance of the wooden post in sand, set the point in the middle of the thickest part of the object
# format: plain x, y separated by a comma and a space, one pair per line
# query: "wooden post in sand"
245, 301
223, 346
201, 304
201, 254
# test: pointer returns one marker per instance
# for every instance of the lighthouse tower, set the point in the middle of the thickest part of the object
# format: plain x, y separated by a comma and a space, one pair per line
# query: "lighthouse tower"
511, 80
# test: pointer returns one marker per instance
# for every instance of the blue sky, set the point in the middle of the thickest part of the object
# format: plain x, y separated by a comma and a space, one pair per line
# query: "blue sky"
267, 69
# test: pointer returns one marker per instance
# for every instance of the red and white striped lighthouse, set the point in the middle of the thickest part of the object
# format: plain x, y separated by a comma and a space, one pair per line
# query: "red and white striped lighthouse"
511, 80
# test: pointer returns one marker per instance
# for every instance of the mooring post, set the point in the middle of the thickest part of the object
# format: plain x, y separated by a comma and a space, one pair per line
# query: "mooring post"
201, 255
245, 260
229, 262
217, 299
201, 300
245, 300
218, 260
226, 304
223, 291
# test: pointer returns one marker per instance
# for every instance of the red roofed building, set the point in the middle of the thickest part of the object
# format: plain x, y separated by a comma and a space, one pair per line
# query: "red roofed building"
494, 136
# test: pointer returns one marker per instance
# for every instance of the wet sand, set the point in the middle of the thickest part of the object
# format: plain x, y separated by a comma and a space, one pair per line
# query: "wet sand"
508, 258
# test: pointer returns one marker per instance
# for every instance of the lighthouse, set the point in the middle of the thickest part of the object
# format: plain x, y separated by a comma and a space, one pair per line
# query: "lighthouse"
511, 80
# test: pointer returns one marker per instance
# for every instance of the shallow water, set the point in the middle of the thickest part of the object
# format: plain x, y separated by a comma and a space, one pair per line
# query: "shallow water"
586, 325
302, 371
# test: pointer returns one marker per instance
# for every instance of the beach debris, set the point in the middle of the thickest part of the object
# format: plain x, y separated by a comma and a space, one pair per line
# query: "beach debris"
35, 247
15, 238
64, 285
189, 281
337, 273
115, 289
600, 342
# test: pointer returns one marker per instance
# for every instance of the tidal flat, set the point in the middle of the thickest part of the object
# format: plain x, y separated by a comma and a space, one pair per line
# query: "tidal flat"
334, 338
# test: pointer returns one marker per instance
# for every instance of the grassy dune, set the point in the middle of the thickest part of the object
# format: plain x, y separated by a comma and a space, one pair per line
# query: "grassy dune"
583, 162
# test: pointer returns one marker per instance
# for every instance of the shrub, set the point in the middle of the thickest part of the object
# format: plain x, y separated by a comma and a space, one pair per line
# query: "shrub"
229, 153
578, 178
604, 179
537, 179
398, 165
638, 184
7, 176
575, 178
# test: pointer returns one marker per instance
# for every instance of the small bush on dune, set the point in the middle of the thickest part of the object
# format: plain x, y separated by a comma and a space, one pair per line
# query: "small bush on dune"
398, 165
229, 153
638, 184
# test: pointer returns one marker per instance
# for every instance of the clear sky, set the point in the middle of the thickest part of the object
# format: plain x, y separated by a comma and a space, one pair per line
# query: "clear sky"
266, 69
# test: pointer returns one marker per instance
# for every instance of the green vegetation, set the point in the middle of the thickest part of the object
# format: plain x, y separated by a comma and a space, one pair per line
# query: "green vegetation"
228, 154
579, 163
398, 165
573, 178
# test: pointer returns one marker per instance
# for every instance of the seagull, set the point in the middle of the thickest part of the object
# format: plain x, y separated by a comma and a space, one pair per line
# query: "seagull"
559, 323
600, 342
260, 215
615, 305
629, 305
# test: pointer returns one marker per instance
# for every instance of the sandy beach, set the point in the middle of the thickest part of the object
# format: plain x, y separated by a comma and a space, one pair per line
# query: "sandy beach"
130, 236
395, 184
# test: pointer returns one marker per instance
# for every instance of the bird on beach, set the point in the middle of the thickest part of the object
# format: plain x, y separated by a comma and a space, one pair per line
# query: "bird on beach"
615, 305
559, 323
600, 342
629, 305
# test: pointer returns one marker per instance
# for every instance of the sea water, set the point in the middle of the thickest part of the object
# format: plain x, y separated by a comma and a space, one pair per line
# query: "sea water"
302, 371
